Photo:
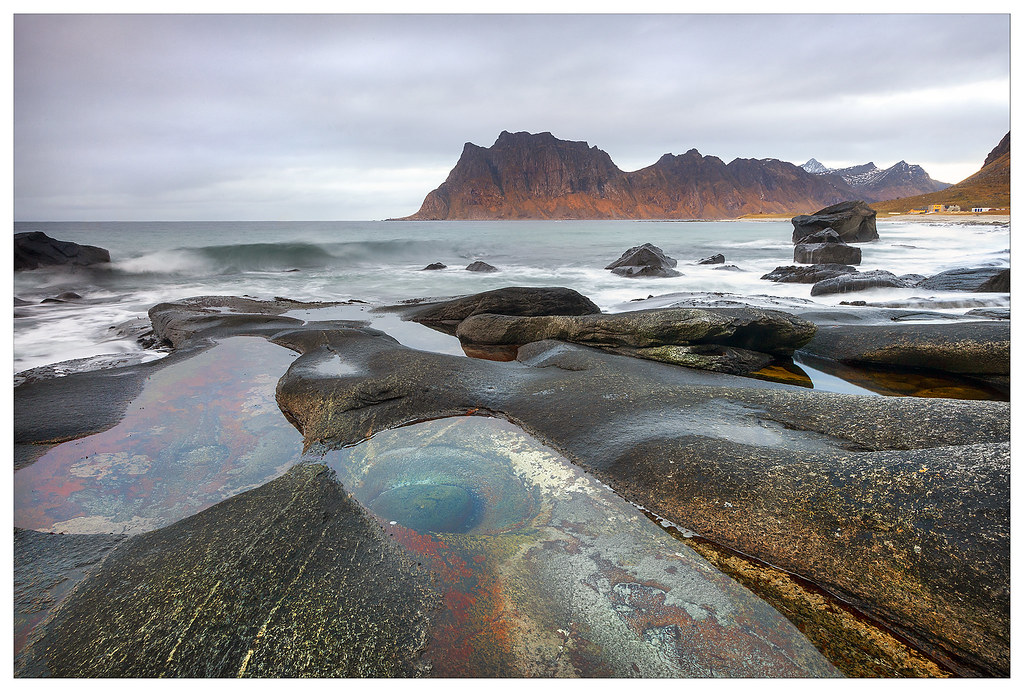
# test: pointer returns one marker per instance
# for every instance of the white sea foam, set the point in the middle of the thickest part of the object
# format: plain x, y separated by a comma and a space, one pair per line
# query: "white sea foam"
381, 263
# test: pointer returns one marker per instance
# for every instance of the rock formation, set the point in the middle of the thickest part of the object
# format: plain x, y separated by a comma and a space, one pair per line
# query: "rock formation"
644, 260
35, 249
808, 274
537, 176
853, 221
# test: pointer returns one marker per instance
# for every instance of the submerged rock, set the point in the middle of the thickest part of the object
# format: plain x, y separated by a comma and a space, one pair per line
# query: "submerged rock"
434, 266
479, 266
1000, 283
808, 274
35, 249
644, 260
861, 281
978, 279
853, 221
713, 259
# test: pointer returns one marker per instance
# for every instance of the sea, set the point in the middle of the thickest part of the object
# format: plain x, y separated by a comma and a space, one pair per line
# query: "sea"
382, 263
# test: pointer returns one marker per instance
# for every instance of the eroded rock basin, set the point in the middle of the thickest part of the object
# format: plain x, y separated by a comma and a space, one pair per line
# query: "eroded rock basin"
544, 571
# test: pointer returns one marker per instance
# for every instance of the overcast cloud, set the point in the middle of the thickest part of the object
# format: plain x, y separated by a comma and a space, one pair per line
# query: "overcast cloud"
190, 117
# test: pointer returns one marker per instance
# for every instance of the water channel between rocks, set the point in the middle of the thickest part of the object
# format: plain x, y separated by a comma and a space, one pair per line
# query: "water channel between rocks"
202, 430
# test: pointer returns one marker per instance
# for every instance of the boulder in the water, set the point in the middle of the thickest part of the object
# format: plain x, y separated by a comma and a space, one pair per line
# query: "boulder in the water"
713, 259
434, 266
853, 221
35, 249
826, 253
808, 274
861, 281
966, 279
644, 260
511, 300
479, 266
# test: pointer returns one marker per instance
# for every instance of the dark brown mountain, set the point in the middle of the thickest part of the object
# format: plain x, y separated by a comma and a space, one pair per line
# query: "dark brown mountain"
989, 187
537, 176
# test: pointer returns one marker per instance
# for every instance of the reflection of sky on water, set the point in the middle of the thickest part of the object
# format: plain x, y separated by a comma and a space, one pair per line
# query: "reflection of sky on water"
202, 430
546, 571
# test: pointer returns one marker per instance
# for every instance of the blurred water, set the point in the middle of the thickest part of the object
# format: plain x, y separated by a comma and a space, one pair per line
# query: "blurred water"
381, 262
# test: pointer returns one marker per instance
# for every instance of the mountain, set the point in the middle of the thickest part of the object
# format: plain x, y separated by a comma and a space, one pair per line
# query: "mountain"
989, 187
537, 176
873, 183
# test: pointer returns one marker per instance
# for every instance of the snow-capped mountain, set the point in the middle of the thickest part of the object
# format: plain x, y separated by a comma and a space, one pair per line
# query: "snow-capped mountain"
874, 184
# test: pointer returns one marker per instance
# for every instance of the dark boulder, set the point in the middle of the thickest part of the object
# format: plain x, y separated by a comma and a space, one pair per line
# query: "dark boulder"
975, 349
714, 259
808, 274
644, 260
853, 221
479, 266
512, 300
36, 249
990, 313
1000, 283
966, 279
861, 281
434, 266
826, 253
733, 340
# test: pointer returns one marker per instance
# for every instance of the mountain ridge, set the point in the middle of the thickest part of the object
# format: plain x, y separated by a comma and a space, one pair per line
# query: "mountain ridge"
538, 176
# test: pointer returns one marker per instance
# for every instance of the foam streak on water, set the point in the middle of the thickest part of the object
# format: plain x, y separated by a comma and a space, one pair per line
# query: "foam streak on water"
382, 262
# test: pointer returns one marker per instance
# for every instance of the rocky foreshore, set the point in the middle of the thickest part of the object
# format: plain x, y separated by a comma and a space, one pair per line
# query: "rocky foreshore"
894, 507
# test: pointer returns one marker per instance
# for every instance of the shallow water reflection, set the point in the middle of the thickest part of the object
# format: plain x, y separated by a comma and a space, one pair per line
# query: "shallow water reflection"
547, 572
202, 430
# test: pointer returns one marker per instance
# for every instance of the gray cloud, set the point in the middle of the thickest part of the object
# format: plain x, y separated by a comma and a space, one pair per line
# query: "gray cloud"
359, 116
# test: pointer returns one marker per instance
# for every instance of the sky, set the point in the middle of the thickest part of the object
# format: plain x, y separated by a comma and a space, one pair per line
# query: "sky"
359, 116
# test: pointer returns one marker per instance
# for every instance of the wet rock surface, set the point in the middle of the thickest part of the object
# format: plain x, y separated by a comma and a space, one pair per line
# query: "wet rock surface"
289, 580
808, 274
907, 520
47, 568
713, 259
853, 221
36, 249
730, 458
861, 281
976, 349
512, 300
826, 253
978, 279
722, 339
479, 266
